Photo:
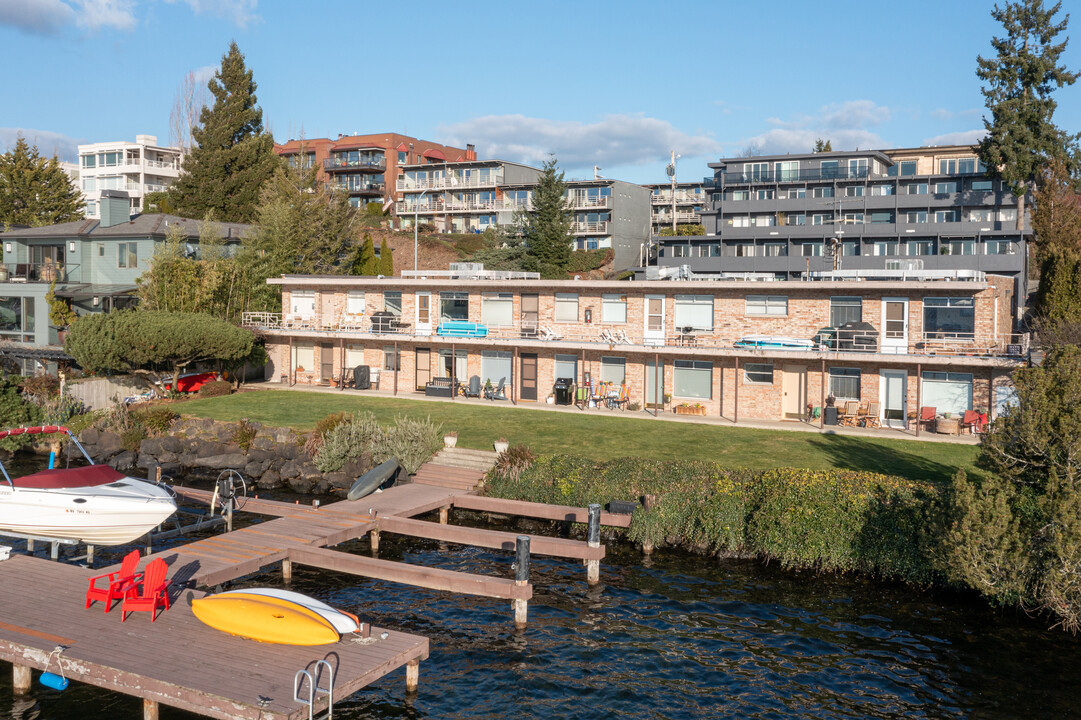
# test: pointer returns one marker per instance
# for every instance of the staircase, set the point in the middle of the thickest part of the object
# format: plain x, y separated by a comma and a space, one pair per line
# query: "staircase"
457, 468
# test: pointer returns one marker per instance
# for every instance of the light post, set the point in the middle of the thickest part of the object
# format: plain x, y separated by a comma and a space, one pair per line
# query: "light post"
416, 216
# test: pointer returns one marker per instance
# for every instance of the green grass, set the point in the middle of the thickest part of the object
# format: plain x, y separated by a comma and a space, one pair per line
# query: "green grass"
606, 436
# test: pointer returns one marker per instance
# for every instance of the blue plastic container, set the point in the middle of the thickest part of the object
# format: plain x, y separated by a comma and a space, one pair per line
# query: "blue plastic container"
54, 681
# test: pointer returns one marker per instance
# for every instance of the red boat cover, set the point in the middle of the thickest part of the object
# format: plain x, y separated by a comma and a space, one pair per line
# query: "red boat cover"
70, 477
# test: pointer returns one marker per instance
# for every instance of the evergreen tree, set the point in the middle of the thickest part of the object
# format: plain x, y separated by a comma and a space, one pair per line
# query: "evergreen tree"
233, 156
1021, 136
386, 260
823, 145
34, 190
1056, 223
546, 227
364, 261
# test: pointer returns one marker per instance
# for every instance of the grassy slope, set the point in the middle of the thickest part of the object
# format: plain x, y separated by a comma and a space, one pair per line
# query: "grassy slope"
607, 436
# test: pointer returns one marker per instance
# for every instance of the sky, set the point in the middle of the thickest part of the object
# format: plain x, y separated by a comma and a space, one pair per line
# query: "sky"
613, 85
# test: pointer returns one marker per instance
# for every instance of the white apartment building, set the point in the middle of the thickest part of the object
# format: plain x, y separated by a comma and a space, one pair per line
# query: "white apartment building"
138, 168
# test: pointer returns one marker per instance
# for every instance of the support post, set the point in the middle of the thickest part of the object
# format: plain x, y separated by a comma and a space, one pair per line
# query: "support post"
412, 676
453, 374
735, 395
287, 570
822, 397
647, 506
593, 540
658, 383
90, 556
54, 550
919, 398
20, 680
373, 537
229, 515
150, 710
444, 515
521, 577
397, 364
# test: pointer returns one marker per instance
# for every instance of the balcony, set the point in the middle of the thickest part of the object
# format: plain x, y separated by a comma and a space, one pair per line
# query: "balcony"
359, 188
681, 217
452, 182
770, 176
337, 164
590, 228
581, 202
37, 272
681, 198
828, 343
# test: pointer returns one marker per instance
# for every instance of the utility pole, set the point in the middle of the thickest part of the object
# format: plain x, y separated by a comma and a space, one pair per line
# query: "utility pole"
671, 170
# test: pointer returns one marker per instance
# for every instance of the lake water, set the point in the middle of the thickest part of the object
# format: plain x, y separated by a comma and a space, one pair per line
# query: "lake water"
675, 636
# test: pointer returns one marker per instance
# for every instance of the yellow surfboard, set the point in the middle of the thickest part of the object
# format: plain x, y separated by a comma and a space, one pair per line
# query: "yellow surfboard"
266, 619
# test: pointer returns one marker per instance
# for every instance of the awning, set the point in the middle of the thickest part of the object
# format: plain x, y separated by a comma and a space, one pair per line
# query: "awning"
434, 155
85, 291
34, 352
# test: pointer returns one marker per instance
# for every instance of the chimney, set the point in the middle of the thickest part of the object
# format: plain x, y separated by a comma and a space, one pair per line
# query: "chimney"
470, 152
115, 208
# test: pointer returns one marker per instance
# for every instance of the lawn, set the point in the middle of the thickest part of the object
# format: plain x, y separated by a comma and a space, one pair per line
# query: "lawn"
606, 436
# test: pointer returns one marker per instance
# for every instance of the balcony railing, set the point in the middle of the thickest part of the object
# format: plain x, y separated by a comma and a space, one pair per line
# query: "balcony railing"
680, 198
680, 217
359, 187
343, 164
771, 176
581, 201
37, 272
827, 342
589, 228
450, 183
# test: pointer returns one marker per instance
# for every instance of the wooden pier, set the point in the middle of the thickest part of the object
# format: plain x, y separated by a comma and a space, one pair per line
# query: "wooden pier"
181, 662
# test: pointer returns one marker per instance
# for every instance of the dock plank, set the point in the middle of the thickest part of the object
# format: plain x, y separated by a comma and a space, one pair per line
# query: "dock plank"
498, 540
536, 510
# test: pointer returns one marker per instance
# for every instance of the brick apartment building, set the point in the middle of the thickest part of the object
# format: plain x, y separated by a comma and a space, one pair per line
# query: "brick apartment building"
940, 340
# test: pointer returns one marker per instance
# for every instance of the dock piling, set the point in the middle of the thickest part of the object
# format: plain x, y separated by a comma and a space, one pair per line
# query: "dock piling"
374, 539
412, 676
647, 505
150, 710
521, 577
20, 680
287, 570
593, 540
444, 515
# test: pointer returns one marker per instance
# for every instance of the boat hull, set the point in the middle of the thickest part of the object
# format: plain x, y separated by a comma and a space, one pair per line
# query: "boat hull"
372, 480
343, 622
265, 619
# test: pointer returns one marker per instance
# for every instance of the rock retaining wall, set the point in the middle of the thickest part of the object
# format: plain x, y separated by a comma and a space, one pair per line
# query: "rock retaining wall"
203, 448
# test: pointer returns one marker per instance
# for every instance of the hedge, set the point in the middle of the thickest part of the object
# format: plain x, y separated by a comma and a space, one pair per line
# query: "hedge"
839, 520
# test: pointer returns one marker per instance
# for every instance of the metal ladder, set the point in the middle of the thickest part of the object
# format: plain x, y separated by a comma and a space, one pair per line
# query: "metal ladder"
313, 688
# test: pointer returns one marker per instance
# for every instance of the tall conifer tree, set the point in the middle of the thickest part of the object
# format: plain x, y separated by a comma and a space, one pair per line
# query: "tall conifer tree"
233, 156
1019, 80
34, 190
547, 226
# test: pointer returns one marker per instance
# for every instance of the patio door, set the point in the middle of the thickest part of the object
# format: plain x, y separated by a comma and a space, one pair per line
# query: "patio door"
894, 326
423, 365
424, 313
528, 375
653, 333
530, 314
794, 392
654, 397
326, 361
893, 394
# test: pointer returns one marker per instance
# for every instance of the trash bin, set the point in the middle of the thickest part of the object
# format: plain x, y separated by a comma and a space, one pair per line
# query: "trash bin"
564, 391
362, 377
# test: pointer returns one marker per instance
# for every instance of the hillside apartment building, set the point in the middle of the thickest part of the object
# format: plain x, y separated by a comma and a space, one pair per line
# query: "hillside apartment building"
137, 168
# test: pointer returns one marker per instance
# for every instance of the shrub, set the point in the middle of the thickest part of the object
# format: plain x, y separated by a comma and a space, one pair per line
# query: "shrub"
40, 387
512, 463
244, 434
58, 410
215, 388
157, 419
15, 412
413, 442
348, 440
315, 437
132, 438
78, 423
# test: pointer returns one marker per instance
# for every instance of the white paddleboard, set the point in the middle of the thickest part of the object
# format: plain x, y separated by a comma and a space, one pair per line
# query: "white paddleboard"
343, 622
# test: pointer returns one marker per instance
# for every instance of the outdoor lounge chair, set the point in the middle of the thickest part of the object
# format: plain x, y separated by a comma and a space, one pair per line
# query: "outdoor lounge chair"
874, 410
474, 387
496, 393
149, 593
928, 415
973, 421
850, 413
115, 582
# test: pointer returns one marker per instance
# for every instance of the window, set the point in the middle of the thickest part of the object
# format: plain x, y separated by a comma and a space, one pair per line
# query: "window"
765, 194
796, 193
91, 208
845, 383
680, 250
740, 195
998, 247
692, 379
496, 365
982, 185
766, 305
916, 216
821, 218
850, 248
302, 302
844, 309
613, 370
883, 216
391, 361
949, 317
854, 191
127, 255
765, 220
354, 302
739, 221
566, 307
923, 246
907, 167
946, 187
775, 249
709, 250
917, 188
1007, 215
455, 365
957, 166
101, 250
886, 247
882, 189
854, 218
981, 215
566, 366
757, 171
787, 171
11, 315
812, 249
959, 246
693, 311
89, 161
453, 306
822, 192
497, 309
857, 167
795, 219
947, 216
354, 355
758, 374
403, 157
392, 302
830, 169
304, 357
613, 308
948, 391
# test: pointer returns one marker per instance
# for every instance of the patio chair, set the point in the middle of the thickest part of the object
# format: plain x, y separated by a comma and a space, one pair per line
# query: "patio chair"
850, 413
149, 593
474, 387
496, 393
874, 411
620, 400
115, 582
971, 420
928, 415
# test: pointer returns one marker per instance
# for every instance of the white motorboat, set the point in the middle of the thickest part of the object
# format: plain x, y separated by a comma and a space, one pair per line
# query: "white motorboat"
92, 504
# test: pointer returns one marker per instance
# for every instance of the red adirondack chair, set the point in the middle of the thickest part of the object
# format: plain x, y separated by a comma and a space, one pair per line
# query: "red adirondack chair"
148, 594
115, 582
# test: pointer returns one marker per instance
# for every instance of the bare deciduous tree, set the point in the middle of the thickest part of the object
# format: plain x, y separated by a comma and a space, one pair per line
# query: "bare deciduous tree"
188, 103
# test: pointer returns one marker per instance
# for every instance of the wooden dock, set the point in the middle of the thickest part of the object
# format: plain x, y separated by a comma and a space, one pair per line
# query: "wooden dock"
179, 661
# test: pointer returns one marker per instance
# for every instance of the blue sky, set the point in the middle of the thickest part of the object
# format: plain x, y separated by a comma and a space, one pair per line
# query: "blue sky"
612, 84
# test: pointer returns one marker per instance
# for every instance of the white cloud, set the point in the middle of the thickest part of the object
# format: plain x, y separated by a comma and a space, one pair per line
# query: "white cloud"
617, 140
846, 125
203, 74
47, 17
48, 143
965, 137
241, 12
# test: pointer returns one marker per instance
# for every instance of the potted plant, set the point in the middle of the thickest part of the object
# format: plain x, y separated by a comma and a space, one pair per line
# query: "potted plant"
501, 445
450, 439
61, 314
830, 400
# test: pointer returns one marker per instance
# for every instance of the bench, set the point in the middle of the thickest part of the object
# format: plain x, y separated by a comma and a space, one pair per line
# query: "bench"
461, 328
439, 387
